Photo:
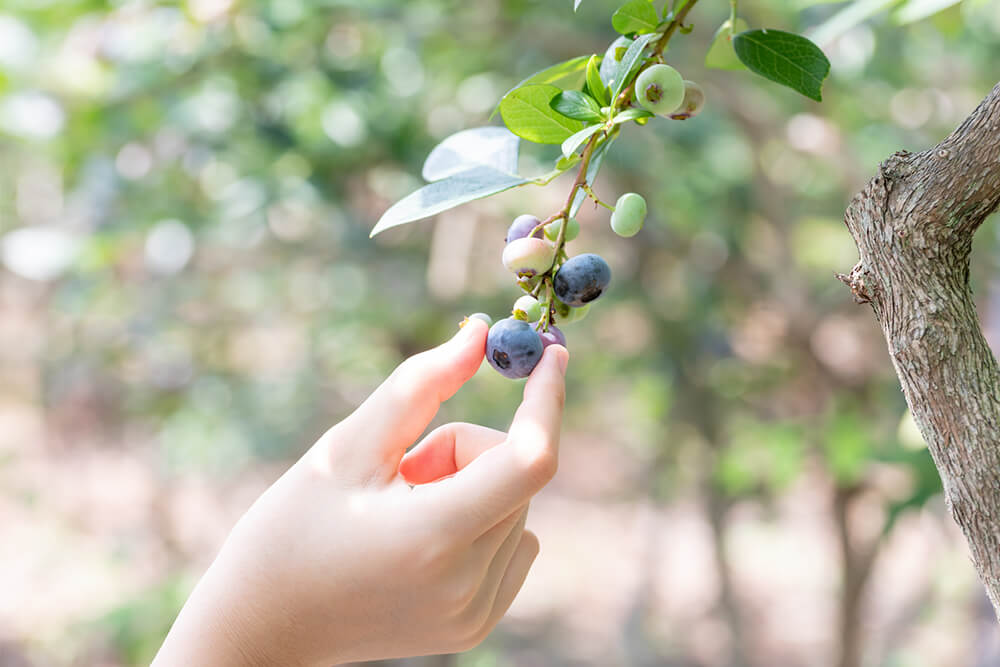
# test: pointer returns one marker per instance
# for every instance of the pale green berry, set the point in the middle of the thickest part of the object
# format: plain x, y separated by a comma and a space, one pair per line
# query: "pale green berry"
694, 102
572, 229
528, 256
629, 214
660, 89
479, 316
527, 308
575, 314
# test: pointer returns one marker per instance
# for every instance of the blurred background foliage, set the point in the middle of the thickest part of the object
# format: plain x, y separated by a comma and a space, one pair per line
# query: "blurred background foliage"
189, 297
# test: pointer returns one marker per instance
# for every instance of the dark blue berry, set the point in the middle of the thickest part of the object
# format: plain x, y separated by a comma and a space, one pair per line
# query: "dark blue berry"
582, 279
513, 348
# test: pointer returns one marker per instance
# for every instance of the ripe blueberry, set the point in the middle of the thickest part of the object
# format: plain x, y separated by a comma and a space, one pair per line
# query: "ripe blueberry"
581, 279
552, 337
528, 256
629, 214
522, 226
694, 102
660, 89
513, 348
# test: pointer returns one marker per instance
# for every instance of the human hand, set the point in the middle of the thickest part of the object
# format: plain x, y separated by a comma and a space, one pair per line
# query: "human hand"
343, 560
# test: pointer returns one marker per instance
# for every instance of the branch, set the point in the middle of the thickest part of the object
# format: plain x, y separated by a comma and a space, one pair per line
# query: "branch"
913, 224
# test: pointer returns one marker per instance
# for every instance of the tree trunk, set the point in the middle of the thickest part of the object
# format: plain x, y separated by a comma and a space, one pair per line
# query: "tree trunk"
914, 224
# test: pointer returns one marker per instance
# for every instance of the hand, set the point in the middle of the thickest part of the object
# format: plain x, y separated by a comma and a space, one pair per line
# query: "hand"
343, 560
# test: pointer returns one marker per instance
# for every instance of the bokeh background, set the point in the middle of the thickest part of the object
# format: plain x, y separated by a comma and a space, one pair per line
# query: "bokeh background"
189, 297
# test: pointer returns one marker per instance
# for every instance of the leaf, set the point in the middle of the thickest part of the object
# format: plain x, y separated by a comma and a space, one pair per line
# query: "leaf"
915, 10
635, 16
612, 58
576, 4
721, 54
594, 84
567, 74
571, 145
596, 158
784, 58
853, 14
495, 147
528, 113
576, 105
633, 56
474, 183
630, 114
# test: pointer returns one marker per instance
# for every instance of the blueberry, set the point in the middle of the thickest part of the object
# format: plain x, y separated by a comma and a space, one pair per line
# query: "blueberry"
582, 279
660, 89
629, 214
513, 348
528, 256
522, 226
479, 316
552, 337
574, 314
529, 308
572, 230
694, 101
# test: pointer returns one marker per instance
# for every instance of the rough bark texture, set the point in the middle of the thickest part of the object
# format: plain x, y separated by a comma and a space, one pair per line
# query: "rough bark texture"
914, 224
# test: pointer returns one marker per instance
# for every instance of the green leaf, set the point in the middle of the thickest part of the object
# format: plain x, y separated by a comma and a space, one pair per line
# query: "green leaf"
567, 74
784, 58
450, 192
564, 163
576, 105
612, 58
633, 56
576, 4
635, 16
528, 113
721, 54
596, 158
571, 145
495, 147
630, 114
594, 84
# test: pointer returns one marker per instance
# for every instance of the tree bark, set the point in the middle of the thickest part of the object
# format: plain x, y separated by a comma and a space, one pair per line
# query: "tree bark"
913, 224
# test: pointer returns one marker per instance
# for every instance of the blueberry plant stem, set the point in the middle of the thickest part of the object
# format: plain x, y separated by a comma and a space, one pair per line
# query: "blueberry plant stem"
581, 183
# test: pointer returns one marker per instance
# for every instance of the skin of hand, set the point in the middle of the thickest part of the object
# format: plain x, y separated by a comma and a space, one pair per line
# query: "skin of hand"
364, 551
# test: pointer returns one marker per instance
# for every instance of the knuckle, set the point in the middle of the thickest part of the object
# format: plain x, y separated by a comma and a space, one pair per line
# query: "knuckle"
542, 464
459, 595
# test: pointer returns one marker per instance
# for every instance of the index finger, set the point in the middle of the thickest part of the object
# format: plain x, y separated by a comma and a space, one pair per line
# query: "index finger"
505, 477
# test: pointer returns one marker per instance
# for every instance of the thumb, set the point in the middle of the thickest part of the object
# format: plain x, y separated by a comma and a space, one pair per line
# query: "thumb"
371, 441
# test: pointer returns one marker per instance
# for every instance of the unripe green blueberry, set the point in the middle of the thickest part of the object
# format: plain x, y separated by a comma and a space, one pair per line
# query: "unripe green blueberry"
694, 101
572, 229
527, 308
528, 256
660, 89
574, 314
478, 316
629, 214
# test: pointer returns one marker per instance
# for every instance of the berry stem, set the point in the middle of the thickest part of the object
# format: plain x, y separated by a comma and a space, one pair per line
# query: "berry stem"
597, 200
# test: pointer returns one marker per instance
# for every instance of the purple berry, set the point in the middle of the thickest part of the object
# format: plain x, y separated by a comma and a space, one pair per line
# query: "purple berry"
552, 337
513, 347
522, 226
581, 279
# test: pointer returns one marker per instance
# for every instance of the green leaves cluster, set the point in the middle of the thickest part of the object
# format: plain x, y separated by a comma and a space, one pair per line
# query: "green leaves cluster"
583, 101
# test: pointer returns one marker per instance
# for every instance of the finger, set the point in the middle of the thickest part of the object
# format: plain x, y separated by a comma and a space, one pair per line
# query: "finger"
379, 431
446, 450
517, 571
504, 552
505, 477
